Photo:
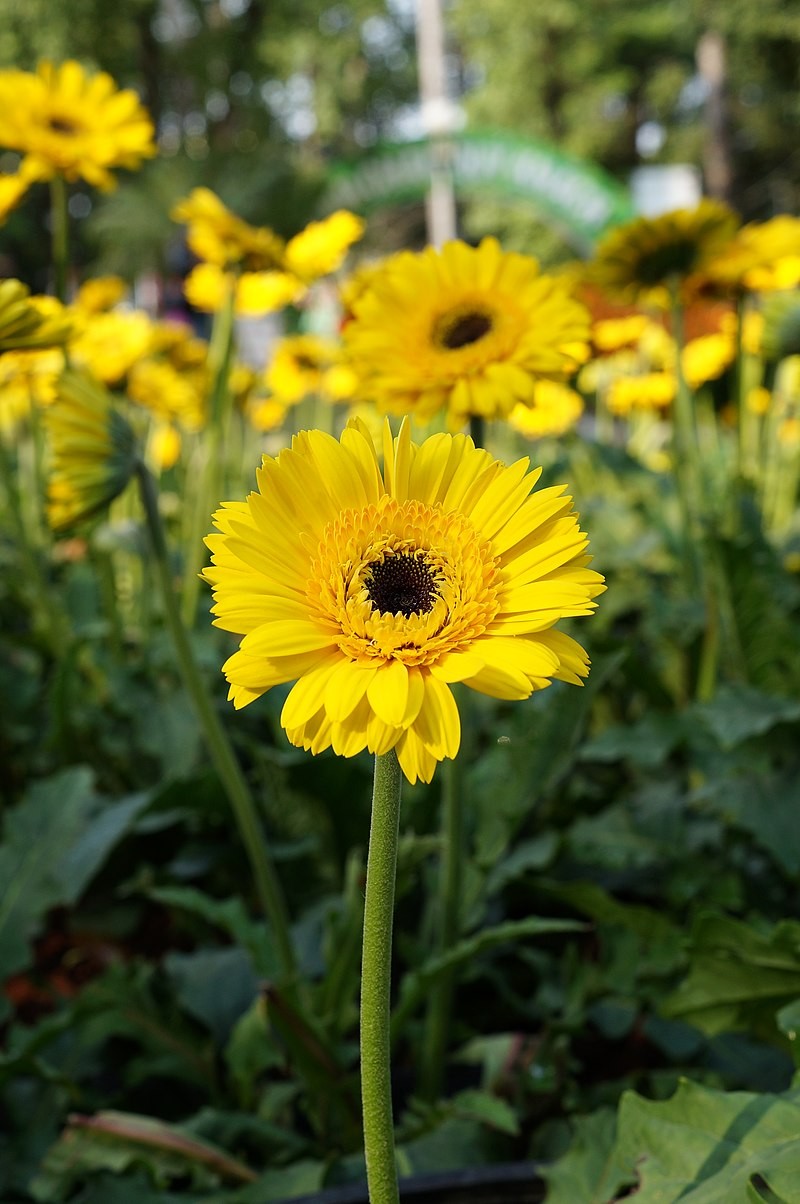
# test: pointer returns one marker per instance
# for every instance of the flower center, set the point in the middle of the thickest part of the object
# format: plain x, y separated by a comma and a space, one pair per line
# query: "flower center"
401, 584
676, 258
59, 125
459, 330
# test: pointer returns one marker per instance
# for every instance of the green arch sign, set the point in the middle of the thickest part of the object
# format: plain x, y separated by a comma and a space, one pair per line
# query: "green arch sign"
577, 198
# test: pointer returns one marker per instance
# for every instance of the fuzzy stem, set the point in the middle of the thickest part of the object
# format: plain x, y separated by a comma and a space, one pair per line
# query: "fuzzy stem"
376, 979
225, 762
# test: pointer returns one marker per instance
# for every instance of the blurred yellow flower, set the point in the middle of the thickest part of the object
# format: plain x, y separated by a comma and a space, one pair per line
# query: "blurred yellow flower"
218, 236
706, 358
305, 365
265, 413
554, 411
642, 259
467, 329
92, 451
321, 248
762, 257
72, 124
27, 322
13, 187
758, 400
612, 334
163, 446
376, 590
107, 345
209, 286
171, 395
99, 294
648, 391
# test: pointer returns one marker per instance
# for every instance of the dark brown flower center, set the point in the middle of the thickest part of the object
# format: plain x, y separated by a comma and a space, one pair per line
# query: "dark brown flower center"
60, 126
401, 584
674, 259
462, 329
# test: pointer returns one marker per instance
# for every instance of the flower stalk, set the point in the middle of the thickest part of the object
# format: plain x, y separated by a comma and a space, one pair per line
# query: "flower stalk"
376, 968
222, 755
59, 219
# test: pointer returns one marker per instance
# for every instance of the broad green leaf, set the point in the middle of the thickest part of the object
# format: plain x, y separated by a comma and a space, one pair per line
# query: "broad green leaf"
533, 854
707, 1147
417, 982
738, 977
737, 713
118, 1141
487, 1108
587, 1172
215, 985
646, 744
229, 915
55, 841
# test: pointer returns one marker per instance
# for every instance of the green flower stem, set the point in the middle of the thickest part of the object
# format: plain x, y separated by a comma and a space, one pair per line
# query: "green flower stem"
477, 429
438, 1019
746, 427
207, 497
49, 621
227, 766
59, 218
376, 977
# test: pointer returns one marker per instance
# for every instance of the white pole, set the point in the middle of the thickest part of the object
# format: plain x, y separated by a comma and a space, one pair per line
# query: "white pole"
438, 119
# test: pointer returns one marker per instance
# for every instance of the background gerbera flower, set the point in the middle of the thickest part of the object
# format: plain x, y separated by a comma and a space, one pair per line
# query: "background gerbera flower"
555, 410
378, 590
467, 329
321, 247
642, 259
72, 124
27, 322
93, 452
306, 364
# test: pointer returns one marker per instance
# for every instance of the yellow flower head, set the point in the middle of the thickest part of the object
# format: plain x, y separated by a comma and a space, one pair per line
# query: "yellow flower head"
321, 248
92, 451
554, 411
639, 260
27, 322
100, 294
170, 395
208, 287
218, 236
72, 124
109, 344
707, 357
306, 364
762, 257
378, 590
648, 391
466, 328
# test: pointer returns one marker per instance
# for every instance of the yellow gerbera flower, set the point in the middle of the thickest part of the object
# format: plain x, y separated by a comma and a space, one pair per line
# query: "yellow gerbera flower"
92, 451
378, 590
218, 236
101, 293
464, 328
321, 248
306, 364
641, 259
647, 391
208, 286
71, 124
109, 344
554, 411
764, 256
707, 358
27, 322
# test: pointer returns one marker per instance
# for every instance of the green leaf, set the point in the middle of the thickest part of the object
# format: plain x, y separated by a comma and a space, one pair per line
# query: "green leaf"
487, 1108
646, 744
217, 986
118, 1141
738, 977
532, 854
56, 839
707, 1147
737, 713
587, 1172
229, 915
417, 982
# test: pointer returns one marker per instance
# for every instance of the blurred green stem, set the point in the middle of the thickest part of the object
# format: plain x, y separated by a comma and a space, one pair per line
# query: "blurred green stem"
59, 221
225, 762
438, 1019
376, 981
207, 494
